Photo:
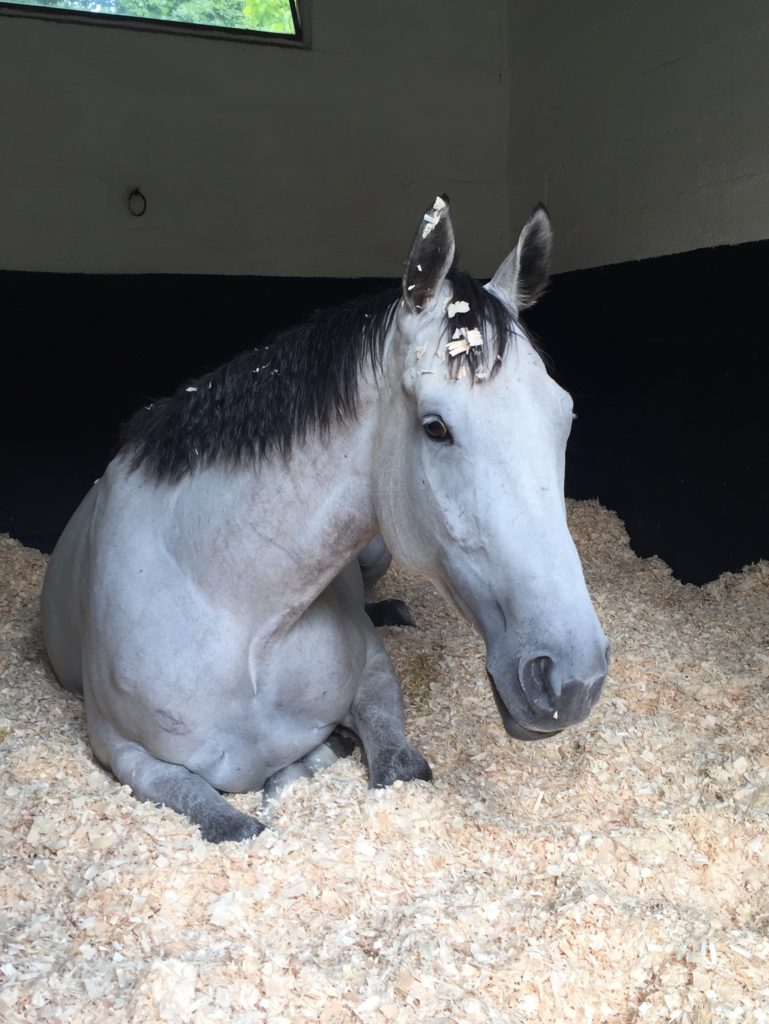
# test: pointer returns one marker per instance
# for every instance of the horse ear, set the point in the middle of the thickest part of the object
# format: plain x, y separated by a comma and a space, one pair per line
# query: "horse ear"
431, 256
522, 277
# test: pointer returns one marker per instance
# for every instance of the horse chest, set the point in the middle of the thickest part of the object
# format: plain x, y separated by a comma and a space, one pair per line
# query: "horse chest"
298, 689
311, 673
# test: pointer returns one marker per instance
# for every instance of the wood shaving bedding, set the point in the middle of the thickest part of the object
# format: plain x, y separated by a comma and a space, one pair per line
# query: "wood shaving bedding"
617, 872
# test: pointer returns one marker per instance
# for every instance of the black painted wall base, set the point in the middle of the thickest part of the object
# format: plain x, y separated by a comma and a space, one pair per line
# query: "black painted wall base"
82, 352
667, 360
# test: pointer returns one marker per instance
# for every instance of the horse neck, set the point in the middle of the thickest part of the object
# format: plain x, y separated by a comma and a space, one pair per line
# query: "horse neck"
277, 533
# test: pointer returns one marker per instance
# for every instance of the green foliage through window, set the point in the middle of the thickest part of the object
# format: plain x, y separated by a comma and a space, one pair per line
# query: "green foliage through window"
254, 15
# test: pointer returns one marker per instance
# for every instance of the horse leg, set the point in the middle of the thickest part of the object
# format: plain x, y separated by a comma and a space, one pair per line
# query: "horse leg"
374, 561
174, 786
376, 716
336, 746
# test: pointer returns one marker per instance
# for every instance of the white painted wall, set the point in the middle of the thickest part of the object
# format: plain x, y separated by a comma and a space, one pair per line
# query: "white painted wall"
255, 159
643, 123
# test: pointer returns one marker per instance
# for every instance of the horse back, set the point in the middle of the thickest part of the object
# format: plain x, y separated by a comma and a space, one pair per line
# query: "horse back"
63, 597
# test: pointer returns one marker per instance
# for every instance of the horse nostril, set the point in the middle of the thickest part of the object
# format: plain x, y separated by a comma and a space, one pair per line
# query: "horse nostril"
539, 687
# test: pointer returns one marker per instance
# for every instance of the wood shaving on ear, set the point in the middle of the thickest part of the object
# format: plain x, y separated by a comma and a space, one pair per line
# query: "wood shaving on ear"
614, 873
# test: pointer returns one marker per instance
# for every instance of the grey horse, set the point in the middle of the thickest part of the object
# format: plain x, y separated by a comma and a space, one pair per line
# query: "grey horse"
206, 598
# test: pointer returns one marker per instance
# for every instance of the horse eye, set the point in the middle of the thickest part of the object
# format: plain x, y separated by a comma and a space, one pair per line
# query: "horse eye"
436, 429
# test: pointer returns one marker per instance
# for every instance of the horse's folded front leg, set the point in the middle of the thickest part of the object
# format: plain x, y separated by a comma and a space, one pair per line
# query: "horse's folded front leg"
376, 716
180, 789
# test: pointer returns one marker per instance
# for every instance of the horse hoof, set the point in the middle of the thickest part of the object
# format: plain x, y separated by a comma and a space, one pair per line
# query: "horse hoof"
391, 612
404, 764
232, 828
342, 742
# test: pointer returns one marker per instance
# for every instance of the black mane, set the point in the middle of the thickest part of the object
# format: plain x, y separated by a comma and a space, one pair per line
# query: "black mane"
303, 379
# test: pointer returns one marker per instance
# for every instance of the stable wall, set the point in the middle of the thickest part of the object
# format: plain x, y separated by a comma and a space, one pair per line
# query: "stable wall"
286, 166
644, 126
254, 159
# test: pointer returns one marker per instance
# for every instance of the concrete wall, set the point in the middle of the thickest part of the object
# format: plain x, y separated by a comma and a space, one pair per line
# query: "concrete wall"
255, 159
643, 123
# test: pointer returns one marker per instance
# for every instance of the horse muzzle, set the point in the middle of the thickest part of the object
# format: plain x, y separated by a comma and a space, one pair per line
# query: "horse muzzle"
545, 696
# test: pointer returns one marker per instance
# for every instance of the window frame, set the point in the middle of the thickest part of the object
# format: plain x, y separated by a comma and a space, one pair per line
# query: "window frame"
299, 11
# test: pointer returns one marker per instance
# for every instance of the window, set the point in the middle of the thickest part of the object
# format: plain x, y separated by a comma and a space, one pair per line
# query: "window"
277, 19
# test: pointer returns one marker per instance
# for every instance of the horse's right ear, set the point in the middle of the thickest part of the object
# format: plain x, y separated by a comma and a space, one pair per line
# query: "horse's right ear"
431, 256
523, 276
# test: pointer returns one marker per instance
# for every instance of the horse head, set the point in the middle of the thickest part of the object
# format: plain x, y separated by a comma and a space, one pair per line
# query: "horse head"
469, 474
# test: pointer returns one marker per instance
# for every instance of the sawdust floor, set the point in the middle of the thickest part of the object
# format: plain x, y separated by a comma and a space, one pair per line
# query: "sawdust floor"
618, 872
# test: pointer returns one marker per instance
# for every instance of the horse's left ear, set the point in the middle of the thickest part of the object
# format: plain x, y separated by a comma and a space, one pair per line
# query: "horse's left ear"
523, 276
431, 256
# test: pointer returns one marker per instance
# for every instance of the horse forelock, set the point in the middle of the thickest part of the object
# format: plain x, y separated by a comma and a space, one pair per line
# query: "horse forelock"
478, 327
305, 378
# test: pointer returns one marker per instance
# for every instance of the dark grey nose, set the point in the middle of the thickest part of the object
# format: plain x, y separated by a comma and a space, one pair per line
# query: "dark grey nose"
555, 698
